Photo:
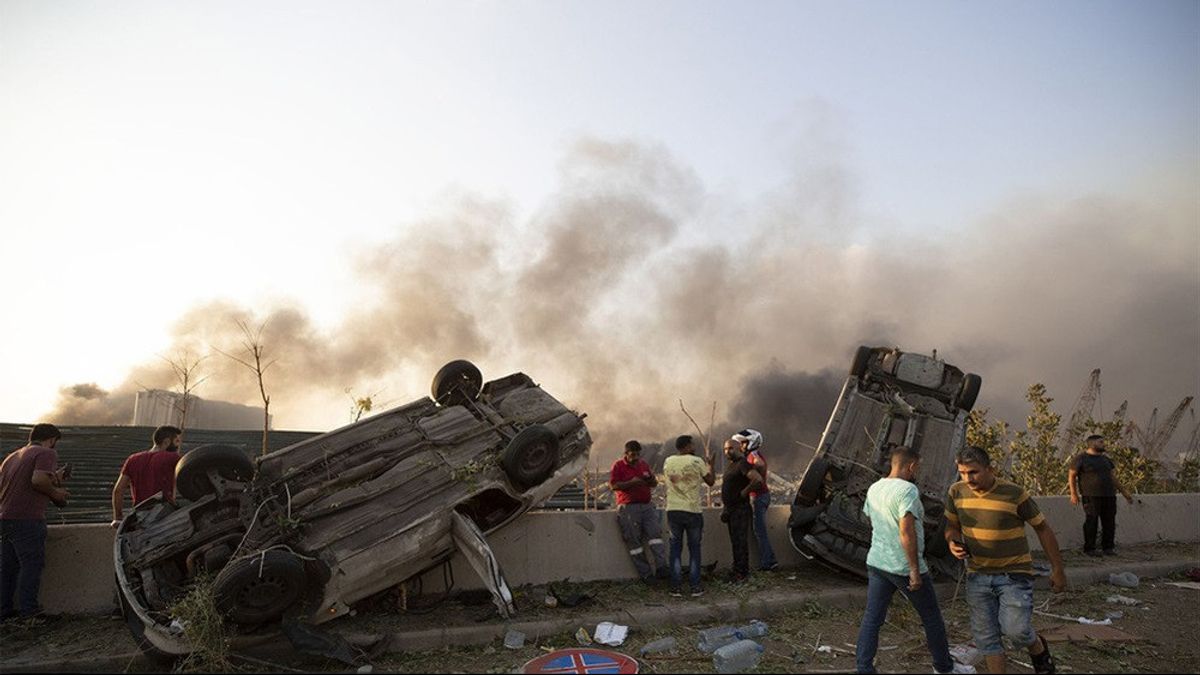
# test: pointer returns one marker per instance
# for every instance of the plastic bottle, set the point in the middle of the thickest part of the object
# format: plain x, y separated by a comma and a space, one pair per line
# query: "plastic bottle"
753, 629
664, 645
712, 639
737, 657
1125, 579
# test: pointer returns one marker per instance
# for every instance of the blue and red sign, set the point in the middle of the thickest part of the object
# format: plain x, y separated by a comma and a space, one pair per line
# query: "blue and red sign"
582, 661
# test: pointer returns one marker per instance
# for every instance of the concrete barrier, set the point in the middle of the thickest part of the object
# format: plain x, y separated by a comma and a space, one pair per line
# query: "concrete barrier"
586, 546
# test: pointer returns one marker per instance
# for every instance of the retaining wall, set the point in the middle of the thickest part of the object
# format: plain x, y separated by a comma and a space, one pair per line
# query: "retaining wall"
585, 545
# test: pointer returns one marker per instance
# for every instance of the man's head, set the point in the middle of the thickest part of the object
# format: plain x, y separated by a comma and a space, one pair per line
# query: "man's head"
683, 445
167, 437
975, 468
749, 440
45, 435
1095, 443
905, 463
733, 450
633, 452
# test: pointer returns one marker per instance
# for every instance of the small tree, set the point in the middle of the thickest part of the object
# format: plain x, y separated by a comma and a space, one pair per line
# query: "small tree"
360, 404
1187, 479
1036, 464
252, 343
992, 437
185, 367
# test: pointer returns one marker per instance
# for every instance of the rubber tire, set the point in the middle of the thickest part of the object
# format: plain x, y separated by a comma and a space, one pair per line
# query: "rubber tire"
814, 479
246, 598
456, 383
858, 367
191, 473
970, 391
530, 456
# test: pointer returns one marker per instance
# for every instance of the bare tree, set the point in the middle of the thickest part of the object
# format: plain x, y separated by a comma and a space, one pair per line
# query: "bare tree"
252, 342
185, 367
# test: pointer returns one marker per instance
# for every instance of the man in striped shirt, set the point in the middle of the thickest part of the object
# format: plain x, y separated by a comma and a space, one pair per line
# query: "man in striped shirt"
985, 525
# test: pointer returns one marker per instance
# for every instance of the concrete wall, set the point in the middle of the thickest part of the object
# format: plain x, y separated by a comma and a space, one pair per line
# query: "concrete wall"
585, 546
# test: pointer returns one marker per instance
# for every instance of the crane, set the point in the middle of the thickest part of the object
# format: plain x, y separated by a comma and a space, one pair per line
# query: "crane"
1162, 435
1080, 414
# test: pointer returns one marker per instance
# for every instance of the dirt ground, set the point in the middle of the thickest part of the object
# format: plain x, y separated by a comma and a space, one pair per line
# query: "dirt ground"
1167, 621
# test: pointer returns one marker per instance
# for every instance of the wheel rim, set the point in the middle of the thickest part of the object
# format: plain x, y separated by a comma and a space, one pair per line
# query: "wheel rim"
270, 592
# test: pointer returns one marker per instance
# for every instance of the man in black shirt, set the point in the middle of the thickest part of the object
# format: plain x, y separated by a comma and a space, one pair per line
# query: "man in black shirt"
737, 513
1091, 477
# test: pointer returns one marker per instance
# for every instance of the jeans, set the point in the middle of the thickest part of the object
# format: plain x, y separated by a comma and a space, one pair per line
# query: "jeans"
1001, 606
640, 522
1100, 511
881, 586
766, 554
23, 557
690, 525
739, 538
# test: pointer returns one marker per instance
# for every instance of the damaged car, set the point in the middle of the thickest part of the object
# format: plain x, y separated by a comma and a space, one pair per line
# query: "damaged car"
300, 534
890, 398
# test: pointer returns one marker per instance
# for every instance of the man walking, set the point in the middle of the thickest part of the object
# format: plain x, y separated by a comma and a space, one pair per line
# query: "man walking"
985, 525
896, 562
149, 472
739, 478
1091, 476
760, 496
632, 480
685, 471
30, 478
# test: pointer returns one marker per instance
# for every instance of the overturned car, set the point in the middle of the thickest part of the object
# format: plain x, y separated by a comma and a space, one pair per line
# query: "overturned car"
305, 531
890, 398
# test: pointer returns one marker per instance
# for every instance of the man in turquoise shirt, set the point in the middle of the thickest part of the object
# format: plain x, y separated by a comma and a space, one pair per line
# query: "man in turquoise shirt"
896, 562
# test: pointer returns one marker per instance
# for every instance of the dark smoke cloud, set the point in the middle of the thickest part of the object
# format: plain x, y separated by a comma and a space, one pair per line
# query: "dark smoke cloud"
611, 296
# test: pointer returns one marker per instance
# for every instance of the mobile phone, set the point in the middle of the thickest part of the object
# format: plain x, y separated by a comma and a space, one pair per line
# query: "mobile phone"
66, 470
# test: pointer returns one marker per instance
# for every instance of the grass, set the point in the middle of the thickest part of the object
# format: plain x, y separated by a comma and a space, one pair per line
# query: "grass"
204, 629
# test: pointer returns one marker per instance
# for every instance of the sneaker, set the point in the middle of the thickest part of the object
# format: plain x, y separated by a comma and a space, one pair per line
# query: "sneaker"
676, 592
1094, 553
697, 592
1044, 662
1110, 551
963, 668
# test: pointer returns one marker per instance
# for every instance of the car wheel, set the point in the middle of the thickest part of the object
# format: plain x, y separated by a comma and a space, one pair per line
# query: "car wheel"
260, 588
969, 392
457, 383
531, 456
191, 473
813, 482
858, 367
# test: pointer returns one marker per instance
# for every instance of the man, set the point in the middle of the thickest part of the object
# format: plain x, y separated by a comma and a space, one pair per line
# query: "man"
632, 480
985, 525
760, 496
30, 478
1091, 476
896, 561
739, 478
149, 472
685, 471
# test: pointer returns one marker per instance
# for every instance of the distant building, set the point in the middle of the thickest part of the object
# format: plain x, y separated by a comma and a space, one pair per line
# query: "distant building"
155, 407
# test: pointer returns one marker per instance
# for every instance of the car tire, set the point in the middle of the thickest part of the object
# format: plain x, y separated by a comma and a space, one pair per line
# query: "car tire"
813, 482
260, 588
858, 367
456, 383
191, 473
530, 456
970, 391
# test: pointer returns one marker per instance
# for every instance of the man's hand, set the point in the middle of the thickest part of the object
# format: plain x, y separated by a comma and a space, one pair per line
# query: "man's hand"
914, 580
115, 524
958, 550
1074, 499
59, 497
1058, 580
1128, 498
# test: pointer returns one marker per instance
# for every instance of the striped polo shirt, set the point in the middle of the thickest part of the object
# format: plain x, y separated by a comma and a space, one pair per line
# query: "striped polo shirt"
993, 526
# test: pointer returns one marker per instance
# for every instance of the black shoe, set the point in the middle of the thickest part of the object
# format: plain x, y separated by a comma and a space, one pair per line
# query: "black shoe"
663, 572
1044, 662
1110, 551
1093, 552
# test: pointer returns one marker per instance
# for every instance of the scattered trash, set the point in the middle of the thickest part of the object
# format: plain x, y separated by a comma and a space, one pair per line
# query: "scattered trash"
1123, 600
611, 634
366, 670
551, 601
966, 655
824, 649
567, 599
737, 657
713, 639
1124, 579
308, 639
1195, 586
1085, 633
792, 578
666, 644
1114, 615
1076, 619
177, 626
582, 637
753, 629
514, 639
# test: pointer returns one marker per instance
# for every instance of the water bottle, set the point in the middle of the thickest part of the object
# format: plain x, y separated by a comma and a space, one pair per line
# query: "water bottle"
737, 657
753, 629
1126, 579
664, 645
712, 639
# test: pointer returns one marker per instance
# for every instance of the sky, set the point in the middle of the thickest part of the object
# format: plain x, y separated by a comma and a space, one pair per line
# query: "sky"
158, 157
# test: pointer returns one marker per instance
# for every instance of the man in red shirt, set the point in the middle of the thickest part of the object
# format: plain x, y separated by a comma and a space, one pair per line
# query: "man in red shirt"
149, 472
632, 479
30, 478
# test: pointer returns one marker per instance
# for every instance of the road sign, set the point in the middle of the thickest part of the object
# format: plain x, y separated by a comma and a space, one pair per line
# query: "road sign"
582, 661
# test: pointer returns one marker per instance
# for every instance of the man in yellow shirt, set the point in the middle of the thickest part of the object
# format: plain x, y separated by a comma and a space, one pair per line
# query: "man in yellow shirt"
685, 471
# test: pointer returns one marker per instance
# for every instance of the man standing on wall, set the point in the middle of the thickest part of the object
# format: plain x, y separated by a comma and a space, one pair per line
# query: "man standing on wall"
1091, 475
149, 472
739, 478
685, 472
760, 496
30, 478
632, 481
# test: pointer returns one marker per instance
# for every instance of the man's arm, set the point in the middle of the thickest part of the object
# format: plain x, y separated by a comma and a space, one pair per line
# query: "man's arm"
626, 484
709, 478
44, 482
118, 498
1072, 479
1058, 574
908, 540
1121, 489
755, 479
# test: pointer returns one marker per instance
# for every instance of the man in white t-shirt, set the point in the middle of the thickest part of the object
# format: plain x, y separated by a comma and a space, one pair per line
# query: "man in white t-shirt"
685, 472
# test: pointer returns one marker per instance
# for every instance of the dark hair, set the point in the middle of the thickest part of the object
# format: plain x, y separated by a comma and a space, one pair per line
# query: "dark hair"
164, 432
682, 442
1094, 437
905, 454
634, 446
43, 432
973, 455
